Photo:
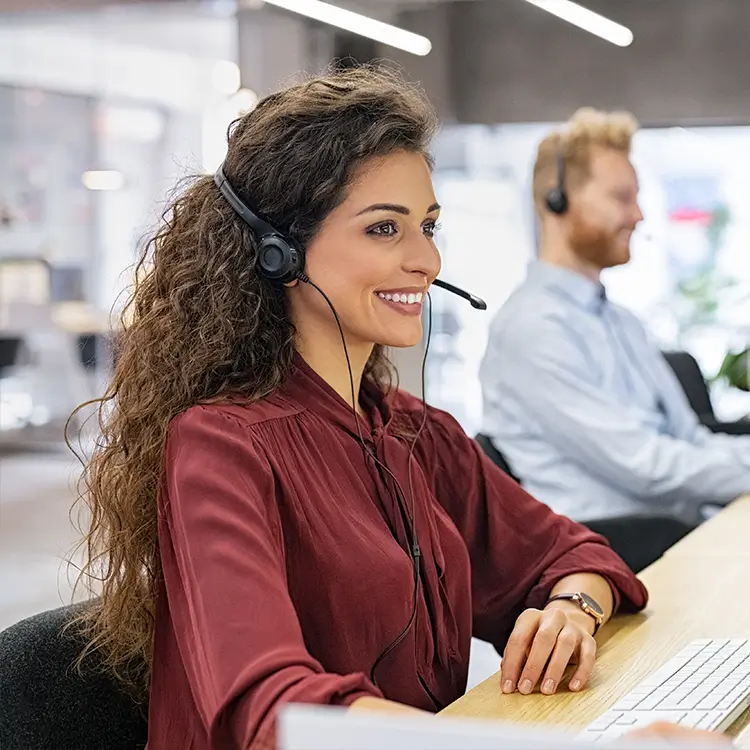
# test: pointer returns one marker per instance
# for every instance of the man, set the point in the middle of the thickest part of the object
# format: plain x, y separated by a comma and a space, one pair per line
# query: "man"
576, 396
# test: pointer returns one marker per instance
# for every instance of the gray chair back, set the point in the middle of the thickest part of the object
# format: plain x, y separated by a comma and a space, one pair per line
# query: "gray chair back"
46, 704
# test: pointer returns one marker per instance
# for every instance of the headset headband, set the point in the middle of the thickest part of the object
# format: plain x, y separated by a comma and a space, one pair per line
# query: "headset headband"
260, 228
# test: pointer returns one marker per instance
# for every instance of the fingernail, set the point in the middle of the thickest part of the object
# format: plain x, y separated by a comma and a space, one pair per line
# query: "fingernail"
575, 685
508, 686
549, 687
526, 687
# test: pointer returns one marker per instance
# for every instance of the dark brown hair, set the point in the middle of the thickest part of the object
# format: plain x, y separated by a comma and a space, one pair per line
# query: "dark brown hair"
201, 324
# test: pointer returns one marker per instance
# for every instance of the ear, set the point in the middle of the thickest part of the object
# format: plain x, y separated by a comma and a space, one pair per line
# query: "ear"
290, 284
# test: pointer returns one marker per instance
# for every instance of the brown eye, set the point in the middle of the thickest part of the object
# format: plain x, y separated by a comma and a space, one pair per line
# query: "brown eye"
386, 229
430, 228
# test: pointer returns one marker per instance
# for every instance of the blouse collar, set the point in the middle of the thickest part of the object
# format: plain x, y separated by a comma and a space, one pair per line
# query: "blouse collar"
311, 391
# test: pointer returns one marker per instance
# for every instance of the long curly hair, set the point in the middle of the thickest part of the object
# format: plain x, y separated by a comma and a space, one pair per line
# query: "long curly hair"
201, 325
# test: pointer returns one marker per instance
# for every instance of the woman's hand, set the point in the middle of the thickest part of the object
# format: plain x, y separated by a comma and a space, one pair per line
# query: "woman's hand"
664, 731
550, 638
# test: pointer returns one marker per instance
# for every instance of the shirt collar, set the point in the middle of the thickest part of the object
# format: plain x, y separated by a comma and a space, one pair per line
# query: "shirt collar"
579, 289
310, 391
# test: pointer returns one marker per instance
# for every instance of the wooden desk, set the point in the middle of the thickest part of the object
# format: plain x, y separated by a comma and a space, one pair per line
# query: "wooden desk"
726, 535
695, 592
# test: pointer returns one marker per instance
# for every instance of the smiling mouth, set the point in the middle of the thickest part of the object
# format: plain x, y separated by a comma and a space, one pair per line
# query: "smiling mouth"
404, 303
402, 298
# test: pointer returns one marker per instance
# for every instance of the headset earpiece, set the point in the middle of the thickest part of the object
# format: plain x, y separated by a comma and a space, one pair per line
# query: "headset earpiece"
557, 198
280, 259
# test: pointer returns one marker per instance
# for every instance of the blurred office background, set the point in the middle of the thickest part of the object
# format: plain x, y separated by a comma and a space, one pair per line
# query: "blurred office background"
104, 106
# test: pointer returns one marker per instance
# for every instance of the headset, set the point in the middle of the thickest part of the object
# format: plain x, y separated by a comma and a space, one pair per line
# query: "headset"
280, 259
557, 197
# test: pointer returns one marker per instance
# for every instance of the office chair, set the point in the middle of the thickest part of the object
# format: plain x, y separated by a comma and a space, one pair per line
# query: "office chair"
88, 344
688, 373
639, 540
45, 704
495, 456
9, 349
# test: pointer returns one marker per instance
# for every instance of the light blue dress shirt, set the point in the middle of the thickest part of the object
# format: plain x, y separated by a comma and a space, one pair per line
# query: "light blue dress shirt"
589, 414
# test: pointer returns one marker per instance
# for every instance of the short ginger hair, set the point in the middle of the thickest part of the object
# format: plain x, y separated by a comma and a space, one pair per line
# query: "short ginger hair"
586, 130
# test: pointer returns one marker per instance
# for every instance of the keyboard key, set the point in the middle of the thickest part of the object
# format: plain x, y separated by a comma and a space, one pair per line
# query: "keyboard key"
705, 686
604, 721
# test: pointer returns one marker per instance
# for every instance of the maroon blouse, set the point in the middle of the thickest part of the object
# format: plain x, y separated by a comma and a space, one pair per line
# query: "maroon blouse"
283, 581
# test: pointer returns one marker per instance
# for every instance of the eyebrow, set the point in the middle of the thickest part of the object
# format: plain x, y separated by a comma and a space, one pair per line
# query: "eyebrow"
394, 208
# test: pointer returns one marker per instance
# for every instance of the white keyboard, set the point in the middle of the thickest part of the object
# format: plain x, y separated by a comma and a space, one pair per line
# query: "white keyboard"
705, 686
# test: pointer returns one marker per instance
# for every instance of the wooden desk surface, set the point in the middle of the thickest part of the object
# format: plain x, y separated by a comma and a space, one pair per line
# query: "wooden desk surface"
699, 591
725, 535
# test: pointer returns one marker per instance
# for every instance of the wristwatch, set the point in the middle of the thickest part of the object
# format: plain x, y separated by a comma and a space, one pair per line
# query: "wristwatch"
587, 604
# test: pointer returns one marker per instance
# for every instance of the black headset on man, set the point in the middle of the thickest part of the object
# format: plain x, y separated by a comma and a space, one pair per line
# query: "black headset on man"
557, 197
281, 260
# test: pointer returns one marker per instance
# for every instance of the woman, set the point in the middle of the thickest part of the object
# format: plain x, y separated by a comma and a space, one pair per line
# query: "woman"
269, 538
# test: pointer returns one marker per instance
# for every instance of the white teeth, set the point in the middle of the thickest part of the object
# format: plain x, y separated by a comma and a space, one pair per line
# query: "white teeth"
404, 299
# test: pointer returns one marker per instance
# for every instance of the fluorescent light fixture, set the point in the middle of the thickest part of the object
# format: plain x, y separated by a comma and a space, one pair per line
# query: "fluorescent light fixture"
133, 123
225, 77
103, 179
587, 20
358, 24
243, 101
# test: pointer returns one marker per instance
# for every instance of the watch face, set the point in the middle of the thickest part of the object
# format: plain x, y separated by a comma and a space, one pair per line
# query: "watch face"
591, 604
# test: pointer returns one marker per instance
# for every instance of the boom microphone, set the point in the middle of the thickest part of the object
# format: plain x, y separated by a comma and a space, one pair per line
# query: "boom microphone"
476, 302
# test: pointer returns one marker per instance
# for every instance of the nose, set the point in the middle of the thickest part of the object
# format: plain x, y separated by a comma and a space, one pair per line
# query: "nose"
422, 259
638, 217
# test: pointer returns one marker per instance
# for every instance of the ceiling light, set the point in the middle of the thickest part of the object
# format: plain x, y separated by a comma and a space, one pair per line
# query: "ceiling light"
243, 101
358, 24
132, 123
103, 179
587, 20
225, 77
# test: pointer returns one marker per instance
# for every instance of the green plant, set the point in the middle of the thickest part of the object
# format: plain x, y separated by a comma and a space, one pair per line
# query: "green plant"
735, 370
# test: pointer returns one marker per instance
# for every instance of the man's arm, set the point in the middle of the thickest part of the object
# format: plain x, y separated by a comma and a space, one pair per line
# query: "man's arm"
557, 389
684, 421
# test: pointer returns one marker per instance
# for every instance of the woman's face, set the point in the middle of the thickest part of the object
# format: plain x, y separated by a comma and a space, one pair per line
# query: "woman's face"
374, 256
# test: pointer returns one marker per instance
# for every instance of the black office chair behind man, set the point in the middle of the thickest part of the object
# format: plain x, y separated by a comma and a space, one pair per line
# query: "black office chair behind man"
495, 455
45, 704
639, 540
10, 346
688, 372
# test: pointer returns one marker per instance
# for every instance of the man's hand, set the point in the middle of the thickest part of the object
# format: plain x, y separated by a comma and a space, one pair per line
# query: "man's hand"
550, 638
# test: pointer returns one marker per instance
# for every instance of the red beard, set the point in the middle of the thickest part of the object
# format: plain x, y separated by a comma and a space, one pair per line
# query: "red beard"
597, 245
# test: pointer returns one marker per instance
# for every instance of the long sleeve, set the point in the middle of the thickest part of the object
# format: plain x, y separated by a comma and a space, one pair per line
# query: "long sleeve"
592, 428
224, 569
684, 421
519, 548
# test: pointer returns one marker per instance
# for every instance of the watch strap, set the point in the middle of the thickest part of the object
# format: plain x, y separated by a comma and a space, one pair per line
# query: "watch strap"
579, 600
